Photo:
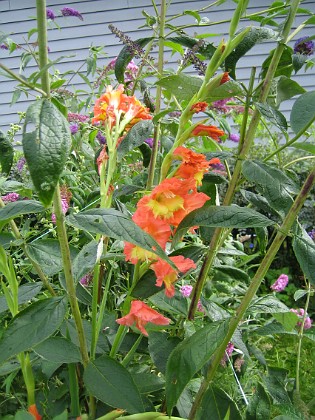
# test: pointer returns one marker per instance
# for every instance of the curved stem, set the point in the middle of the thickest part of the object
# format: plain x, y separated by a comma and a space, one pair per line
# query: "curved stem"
21, 80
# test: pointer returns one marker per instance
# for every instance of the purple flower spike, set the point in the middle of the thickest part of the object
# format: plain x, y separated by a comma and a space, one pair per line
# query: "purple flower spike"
50, 14
68, 11
4, 47
101, 138
280, 284
9, 198
304, 46
234, 137
20, 164
149, 142
74, 128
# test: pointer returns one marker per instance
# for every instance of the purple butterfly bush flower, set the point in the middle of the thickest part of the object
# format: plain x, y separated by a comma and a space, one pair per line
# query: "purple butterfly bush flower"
304, 46
311, 234
234, 137
149, 142
228, 353
186, 292
280, 284
68, 11
300, 313
101, 138
4, 47
74, 128
50, 14
11, 197
20, 164
74, 117
86, 280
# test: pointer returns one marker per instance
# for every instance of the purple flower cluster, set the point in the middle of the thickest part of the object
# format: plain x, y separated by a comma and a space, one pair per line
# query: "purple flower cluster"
64, 205
68, 11
20, 164
101, 138
72, 116
149, 142
234, 137
11, 197
311, 234
74, 128
50, 14
228, 353
280, 284
304, 46
4, 47
86, 280
300, 313
186, 292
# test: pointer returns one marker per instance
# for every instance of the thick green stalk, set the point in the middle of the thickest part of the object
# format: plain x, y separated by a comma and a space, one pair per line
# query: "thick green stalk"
67, 268
255, 283
74, 391
158, 99
242, 155
43, 44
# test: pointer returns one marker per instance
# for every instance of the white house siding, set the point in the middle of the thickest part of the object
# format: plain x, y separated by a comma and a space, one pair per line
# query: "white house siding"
76, 36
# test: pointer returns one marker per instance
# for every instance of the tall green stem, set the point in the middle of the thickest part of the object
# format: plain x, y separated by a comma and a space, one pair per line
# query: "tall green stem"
157, 130
42, 44
252, 289
242, 155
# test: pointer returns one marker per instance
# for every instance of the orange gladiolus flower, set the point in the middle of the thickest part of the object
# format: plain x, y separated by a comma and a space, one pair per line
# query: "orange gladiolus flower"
114, 103
32, 409
141, 314
208, 130
157, 228
194, 164
199, 107
167, 275
225, 78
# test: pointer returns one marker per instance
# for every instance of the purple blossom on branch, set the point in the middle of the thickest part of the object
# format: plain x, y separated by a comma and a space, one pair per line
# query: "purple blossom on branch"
304, 46
68, 11
300, 313
9, 198
186, 292
74, 128
280, 284
50, 14
234, 137
4, 47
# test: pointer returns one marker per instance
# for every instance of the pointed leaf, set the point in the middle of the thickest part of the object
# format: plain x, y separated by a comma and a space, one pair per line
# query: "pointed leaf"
267, 304
160, 347
216, 405
46, 252
85, 261
111, 383
17, 208
58, 350
286, 89
32, 326
135, 137
272, 115
116, 225
307, 147
304, 250
189, 357
221, 216
6, 154
46, 145
183, 87
259, 405
26, 293
303, 112
275, 383
226, 90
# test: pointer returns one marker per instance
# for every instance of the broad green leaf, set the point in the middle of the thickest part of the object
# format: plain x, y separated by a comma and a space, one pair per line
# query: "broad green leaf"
286, 89
160, 347
287, 319
6, 154
230, 274
85, 261
175, 305
284, 67
259, 405
189, 357
125, 56
26, 293
111, 383
254, 36
148, 382
273, 328
31, 326
267, 304
116, 225
259, 201
275, 382
17, 208
307, 147
275, 185
304, 250
303, 112
221, 216
272, 115
298, 61
23, 415
182, 86
46, 252
135, 137
299, 294
58, 350
46, 145
226, 90
216, 405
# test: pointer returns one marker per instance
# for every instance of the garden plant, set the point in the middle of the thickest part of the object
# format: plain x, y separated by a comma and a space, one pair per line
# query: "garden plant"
157, 255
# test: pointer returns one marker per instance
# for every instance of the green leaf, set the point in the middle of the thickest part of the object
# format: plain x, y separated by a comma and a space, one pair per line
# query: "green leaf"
259, 405
189, 357
116, 225
125, 56
259, 201
273, 328
226, 90
85, 261
23, 415
111, 383
304, 250
230, 274
46, 252
182, 86
299, 294
287, 319
32, 326
275, 383
285, 66
275, 186
17, 208
303, 112
160, 347
272, 115
135, 137
46, 145
148, 382
26, 292
58, 350
216, 405
298, 61
267, 304
254, 36
221, 216
286, 89
6, 154
307, 147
